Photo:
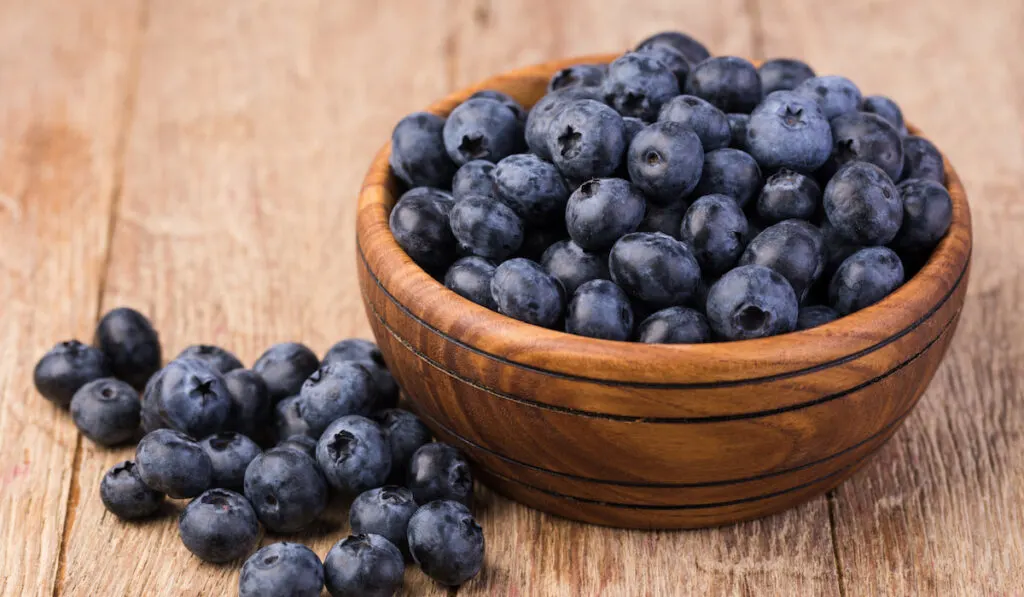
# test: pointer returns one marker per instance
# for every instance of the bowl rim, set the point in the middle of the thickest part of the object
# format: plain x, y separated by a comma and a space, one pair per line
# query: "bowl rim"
554, 352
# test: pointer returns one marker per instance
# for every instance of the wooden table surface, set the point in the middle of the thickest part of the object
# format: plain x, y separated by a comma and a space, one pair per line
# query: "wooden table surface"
200, 159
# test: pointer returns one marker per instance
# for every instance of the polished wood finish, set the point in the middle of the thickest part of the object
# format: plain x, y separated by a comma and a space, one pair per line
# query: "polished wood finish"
653, 436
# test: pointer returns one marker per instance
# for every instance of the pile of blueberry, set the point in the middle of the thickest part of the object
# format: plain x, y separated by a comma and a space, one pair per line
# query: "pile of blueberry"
278, 440
671, 197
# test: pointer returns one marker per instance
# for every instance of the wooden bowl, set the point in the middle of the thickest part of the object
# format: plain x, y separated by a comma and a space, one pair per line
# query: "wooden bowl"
653, 436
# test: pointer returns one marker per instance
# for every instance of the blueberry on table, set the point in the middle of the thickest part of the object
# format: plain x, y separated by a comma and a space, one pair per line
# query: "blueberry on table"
675, 325
716, 230
438, 471
751, 301
710, 123
446, 541
693, 50
866, 137
302, 443
603, 210
418, 156
336, 390
813, 316
187, 395
738, 130
783, 74
524, 291
230, 454
586, 140
289, 421
504, 99
364, 565
600, 309
354, 455
533, 188
572, 265
106, 411
67, 367
786, 195
286, 489
419, 223
667, 219
282, 569
927, 214
835, 95
219, 526
171, 462
486, 227
538, 121
219, 358
788, 130
369, 355
865, 278
863, 204
578, 75
481, 129
921, 159
130, 344
251, 407
125, 495
729, 172
405, 434
654, 268
470, 277
665, 160
887, 109
730, 83
672, 58
638, 84
384, 511
285, 366
475, 177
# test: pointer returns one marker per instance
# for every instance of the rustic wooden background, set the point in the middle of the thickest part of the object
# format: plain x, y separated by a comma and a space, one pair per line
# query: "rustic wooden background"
199, 160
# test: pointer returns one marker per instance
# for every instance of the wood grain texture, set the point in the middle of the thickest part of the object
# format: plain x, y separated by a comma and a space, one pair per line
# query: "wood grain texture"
63, 72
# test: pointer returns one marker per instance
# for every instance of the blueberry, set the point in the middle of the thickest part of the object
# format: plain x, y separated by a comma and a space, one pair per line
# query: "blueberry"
171, 462
600, 309
539, 238
230, 454
921, 159
863, 204
788, 130
814, 315
384, 511
572, 265
788, 194
336, 390
419, 222
251, 407
630, 127
130, 344
475, 177
544, 111
481, 129
730, 172
302, 443
67, 367
717, 231
282, 569
220, 359
578, 75
710, 123
731, 84
187, 395
369, 356
289, 421
504, 99
675, 325
837, 248
106, 411
638, 84
286, 489
865, 278
738, 130
783, 74
793, 248
654, 268
125, 495
354, 455
751, 301
364, 566
887, 109
486, 227
470, 277
284, 367
835, 95
667, 219
524, 291
219, 526
405, 434
533, 188
438, 471
586, 140
693, 50
446, 541
672, 58
866, 137
418, 157
603, 210
665, 161
927, 214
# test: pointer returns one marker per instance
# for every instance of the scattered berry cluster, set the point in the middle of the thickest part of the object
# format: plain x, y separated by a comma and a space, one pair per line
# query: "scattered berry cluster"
328, 426
671, 197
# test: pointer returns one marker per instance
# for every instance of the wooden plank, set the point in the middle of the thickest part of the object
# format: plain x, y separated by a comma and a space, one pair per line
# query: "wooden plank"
255, 123
64, 69
938, 511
